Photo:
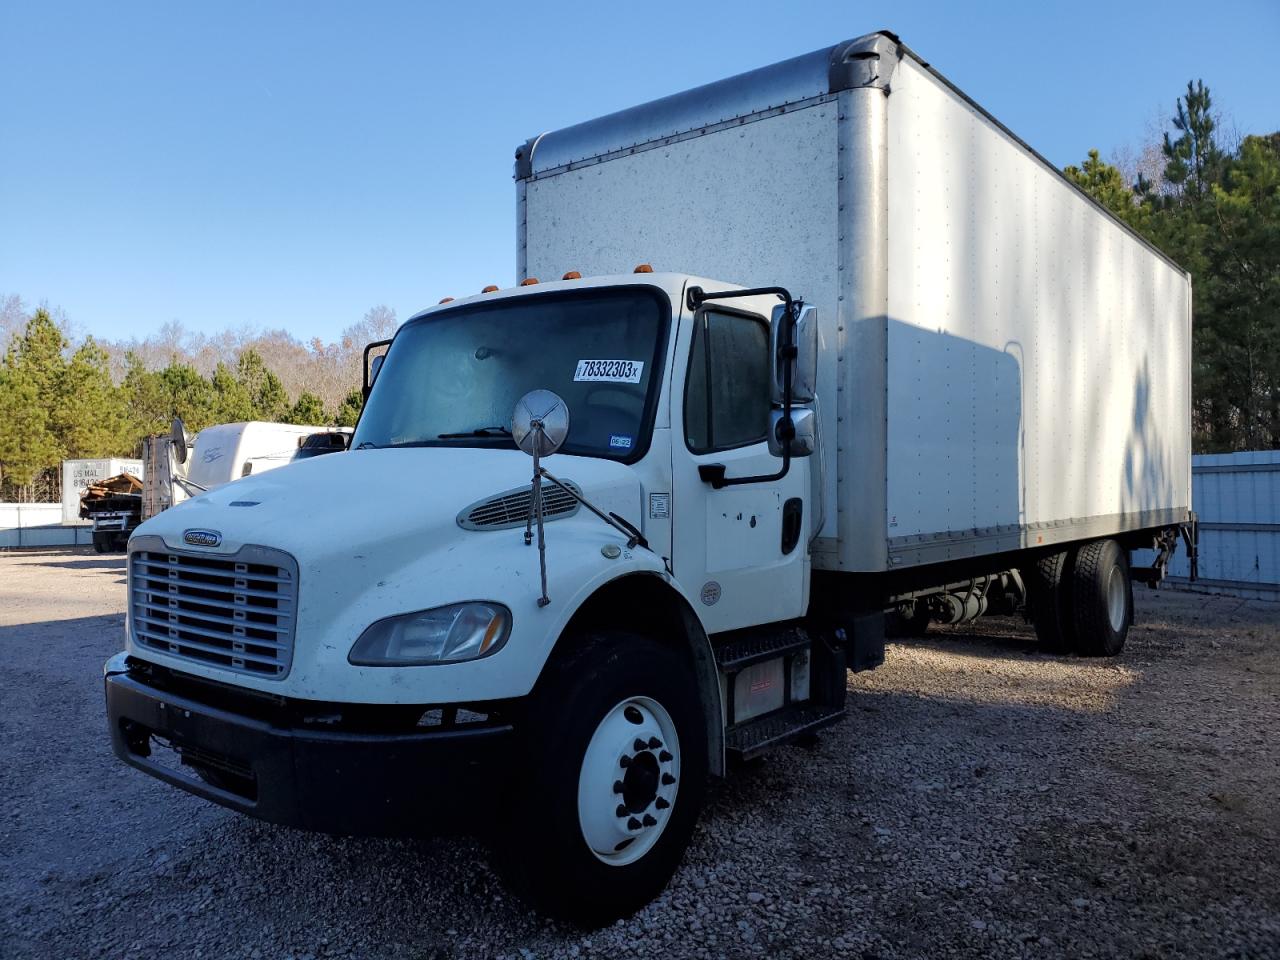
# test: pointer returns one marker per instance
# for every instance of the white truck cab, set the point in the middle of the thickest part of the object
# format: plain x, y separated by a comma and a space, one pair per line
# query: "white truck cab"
734, 481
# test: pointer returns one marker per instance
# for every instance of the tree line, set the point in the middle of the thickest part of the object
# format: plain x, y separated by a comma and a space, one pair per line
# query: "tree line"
1214, 208
61, 400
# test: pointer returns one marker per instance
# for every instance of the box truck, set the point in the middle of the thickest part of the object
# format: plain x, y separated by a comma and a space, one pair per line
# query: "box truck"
179, 466
893, 363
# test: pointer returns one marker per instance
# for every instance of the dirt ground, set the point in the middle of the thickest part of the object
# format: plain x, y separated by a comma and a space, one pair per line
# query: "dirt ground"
983, 799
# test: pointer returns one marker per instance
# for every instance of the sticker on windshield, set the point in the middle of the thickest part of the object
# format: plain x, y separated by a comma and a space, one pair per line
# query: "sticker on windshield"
619, 441
609, 371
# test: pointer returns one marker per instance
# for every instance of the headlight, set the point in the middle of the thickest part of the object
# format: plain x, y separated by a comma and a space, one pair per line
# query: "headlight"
461, 631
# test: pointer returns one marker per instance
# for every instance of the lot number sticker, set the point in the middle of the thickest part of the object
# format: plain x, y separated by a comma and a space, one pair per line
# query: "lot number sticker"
609, 371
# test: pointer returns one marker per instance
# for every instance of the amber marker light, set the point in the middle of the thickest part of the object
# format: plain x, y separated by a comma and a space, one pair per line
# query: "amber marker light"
447, 300
572, 275
491, 288
643, 268
528, 281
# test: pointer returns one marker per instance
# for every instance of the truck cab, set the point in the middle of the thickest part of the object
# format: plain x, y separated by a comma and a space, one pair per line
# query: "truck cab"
351, 665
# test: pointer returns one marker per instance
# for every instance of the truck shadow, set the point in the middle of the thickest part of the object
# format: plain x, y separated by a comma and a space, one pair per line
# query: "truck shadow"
103, 563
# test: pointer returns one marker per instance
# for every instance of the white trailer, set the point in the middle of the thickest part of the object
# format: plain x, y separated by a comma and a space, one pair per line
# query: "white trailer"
899, 366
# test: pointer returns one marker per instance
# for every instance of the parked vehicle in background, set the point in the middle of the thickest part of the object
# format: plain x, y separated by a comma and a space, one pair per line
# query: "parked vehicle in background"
179, 466
114, 505
902, 365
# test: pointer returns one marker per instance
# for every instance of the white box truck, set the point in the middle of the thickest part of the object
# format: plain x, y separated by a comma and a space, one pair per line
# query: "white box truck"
897, 365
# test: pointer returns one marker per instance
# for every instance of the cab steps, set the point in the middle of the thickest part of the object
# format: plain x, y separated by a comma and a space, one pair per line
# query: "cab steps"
746, 740
748, 647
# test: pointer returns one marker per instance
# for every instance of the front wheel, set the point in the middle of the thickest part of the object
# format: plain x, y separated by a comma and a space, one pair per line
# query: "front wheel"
612, 781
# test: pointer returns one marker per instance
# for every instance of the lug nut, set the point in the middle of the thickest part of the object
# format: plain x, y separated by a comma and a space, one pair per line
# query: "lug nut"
640, 745
618, 787
622, 811
624, 761
668, 779
654, 743
665, 757
661, 803
649, 821
634, 824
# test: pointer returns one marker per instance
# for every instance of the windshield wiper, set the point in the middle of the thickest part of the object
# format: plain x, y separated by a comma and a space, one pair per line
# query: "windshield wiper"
477, 432
368, 445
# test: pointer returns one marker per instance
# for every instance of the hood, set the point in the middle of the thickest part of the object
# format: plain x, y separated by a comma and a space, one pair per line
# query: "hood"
395, 502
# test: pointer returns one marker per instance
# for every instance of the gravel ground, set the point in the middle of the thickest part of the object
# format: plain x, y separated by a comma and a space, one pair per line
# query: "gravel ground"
981, 800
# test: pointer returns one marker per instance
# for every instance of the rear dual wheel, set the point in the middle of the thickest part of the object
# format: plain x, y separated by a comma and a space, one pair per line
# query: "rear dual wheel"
1081, 599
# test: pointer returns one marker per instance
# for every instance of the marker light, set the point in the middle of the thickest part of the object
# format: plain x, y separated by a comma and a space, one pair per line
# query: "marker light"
572, 275
528, 281
491, 288
643, 268
447, 300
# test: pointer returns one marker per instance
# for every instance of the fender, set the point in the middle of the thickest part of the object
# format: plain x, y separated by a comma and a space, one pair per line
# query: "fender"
659, 606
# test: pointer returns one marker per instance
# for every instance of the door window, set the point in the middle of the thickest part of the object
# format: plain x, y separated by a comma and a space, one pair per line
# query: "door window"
726, 402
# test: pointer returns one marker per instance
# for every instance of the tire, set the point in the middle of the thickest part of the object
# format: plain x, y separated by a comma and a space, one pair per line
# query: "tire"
598, 816
102, 542
1102, 599
1049, 586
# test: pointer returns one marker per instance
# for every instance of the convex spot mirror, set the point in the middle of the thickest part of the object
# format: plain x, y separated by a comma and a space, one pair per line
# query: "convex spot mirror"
374, 366
178, 439
540, 423
804, 372
805, 440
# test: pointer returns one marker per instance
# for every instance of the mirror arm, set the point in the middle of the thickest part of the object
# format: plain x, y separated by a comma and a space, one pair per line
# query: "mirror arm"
633, 535
713, 473
370, 347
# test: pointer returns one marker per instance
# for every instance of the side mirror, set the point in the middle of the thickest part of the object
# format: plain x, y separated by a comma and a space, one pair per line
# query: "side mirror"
804, 370
178, 439
805, 439
540, 423
372, 365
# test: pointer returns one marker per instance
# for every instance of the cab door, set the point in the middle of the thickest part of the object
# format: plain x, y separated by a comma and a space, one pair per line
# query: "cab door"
740, 552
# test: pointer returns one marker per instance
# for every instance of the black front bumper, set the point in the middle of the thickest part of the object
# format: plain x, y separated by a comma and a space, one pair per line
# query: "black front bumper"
367, 782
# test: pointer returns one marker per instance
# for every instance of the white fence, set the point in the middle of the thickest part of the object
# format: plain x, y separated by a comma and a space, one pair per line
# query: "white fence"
38, 525
1237, 498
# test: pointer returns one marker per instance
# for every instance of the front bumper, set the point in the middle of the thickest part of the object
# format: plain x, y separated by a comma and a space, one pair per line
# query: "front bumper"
258, 759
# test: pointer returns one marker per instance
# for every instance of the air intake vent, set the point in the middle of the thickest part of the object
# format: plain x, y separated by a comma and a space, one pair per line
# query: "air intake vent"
511, 509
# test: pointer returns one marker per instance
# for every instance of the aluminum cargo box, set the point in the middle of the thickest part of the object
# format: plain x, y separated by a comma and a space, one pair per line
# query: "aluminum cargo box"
1004, 363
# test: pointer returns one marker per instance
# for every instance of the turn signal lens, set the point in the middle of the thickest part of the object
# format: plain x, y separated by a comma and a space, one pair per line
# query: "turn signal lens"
643, 268
491, 288
572, 275
528, 281
447, 300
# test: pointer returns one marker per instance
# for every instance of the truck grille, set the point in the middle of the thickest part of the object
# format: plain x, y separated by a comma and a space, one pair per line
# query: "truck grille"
236, 612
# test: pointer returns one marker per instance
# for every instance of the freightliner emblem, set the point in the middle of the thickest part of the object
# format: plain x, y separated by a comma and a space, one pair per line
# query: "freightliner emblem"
202, 538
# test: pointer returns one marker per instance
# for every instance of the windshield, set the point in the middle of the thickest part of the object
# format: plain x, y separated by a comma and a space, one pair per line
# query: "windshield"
453, 378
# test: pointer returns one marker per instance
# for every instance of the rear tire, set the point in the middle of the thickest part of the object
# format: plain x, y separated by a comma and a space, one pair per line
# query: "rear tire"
1048, 583
598, 816
1102, 601
102, 542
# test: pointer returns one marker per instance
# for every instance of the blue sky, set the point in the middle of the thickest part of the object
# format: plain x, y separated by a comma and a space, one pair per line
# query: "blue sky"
293, 164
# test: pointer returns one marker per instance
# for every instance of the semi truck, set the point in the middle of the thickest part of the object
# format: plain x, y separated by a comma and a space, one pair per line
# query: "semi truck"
615, 530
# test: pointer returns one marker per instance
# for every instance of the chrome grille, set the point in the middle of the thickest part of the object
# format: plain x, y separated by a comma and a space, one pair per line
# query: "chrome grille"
236, 612
511, 509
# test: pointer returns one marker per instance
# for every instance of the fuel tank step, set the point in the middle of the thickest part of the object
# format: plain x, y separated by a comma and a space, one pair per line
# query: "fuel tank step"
743, 648
746, 740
